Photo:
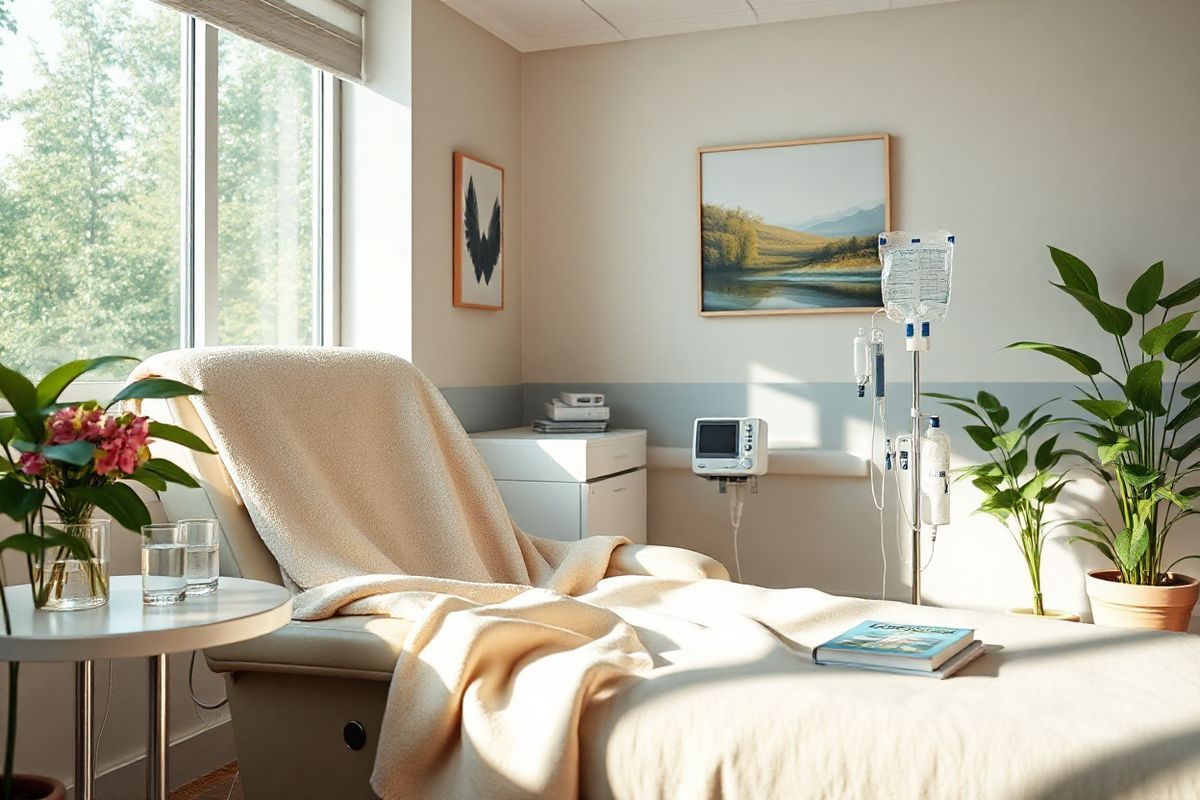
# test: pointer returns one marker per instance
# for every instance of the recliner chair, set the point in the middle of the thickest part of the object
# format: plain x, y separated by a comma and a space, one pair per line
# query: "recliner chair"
307, 701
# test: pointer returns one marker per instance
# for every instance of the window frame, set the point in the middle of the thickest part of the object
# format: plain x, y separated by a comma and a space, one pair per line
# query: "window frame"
198, 252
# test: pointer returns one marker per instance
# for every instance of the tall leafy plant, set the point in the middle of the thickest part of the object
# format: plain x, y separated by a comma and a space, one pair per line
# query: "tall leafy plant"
1139, 448
1014, 494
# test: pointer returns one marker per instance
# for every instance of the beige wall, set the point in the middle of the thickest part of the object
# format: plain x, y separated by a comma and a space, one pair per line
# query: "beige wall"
1015, 123
466, 96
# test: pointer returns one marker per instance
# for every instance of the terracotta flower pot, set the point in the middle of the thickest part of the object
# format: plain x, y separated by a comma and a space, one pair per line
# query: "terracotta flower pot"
37, 787
1166, 607
1049, 613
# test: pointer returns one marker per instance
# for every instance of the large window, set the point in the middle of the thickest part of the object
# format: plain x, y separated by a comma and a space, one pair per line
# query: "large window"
161, 185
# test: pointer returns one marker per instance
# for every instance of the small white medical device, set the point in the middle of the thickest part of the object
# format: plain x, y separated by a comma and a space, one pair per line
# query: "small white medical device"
578, 399
733, 452
730, 447
915, 285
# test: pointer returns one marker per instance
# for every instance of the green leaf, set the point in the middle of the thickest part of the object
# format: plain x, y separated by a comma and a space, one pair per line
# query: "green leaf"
1025, 420
170, 472
8, 428
987, 401
17, 390
1177, 499
1074, 272
1137, 476
59, 378
158, 388
1050, 493
1080, 361
1099, 544
966, 409
1007, 441
987, 485
1037, 425
1111, 319
148, 479
1186, 449
1017, 462
982, 436
1121, 548
1033, 488
1191, 392
1155, 340
943, 396
1146, 290
1104, 409
1129, 417
1108, 453
173, 433
1184, 294
1045, 457
18, 499
1143, 387
120, 501
1190, 412
1183, 347
75, 453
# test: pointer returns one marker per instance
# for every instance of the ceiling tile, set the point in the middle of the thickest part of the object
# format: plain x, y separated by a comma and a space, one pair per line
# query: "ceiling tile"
534, 19
784, 10
641, 18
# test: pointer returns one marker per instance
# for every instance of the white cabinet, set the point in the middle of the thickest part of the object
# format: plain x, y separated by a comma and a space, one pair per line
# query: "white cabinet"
567, 486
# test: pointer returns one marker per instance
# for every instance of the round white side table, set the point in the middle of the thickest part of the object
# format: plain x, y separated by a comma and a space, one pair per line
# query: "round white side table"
125, 627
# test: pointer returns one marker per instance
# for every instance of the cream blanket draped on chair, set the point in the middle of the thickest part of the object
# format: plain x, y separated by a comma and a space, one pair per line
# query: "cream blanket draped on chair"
366, 489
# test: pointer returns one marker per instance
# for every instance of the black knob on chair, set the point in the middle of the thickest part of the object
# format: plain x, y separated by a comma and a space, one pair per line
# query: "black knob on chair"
355, 735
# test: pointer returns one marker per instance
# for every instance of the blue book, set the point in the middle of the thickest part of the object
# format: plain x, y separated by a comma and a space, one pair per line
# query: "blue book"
911, 648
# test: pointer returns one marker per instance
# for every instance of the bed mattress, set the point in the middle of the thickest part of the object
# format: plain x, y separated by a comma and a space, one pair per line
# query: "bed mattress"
735, 708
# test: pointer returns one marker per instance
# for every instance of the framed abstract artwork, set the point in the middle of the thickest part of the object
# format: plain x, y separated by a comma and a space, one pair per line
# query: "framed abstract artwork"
478, 233
792, 227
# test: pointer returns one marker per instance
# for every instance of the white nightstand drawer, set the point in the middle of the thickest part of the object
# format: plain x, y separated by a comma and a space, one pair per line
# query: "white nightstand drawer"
615, 506
520, 454
549, 510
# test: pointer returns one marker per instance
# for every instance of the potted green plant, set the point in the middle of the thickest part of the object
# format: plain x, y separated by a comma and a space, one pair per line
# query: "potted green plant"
70, 459
1134, 428
1013, 493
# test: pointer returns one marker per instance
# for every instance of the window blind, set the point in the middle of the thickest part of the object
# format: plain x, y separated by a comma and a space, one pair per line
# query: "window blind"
325, 33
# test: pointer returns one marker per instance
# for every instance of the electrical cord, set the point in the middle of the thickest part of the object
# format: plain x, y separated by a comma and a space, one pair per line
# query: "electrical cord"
107, 708
192, 689
737, 501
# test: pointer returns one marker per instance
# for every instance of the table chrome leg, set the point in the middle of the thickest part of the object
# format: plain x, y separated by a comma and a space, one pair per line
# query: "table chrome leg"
85, 763
156, 752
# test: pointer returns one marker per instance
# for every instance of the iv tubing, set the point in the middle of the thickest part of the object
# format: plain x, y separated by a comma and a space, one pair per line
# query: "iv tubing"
737, 500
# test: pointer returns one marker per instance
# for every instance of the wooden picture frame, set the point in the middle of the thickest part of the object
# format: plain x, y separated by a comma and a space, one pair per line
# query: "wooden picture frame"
478, 243
808, 265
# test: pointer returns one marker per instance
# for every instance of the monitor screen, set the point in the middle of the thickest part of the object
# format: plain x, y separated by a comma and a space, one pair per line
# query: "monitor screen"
717, 440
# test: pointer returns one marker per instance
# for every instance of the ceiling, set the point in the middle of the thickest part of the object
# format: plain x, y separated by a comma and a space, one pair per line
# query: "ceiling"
530, 25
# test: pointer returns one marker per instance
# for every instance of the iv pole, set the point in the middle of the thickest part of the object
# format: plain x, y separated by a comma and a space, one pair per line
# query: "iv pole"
915, 477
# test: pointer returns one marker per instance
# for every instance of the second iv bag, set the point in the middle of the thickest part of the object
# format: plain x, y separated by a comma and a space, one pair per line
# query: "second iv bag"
916, 274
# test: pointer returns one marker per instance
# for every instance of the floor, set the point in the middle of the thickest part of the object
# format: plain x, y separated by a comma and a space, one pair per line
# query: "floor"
221, 784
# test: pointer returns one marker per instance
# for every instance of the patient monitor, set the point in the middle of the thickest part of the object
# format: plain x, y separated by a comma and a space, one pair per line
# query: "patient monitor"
729, 447
733, 452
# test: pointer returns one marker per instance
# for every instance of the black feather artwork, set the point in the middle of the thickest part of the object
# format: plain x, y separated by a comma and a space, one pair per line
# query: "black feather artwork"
485, 248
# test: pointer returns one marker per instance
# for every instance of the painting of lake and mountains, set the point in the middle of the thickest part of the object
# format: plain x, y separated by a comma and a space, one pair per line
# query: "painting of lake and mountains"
792, 227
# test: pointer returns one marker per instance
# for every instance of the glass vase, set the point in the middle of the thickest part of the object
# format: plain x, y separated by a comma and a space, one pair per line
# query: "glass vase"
63, 582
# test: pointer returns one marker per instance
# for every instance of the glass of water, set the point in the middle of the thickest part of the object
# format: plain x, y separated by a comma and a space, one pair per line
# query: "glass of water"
164, 551
203, 558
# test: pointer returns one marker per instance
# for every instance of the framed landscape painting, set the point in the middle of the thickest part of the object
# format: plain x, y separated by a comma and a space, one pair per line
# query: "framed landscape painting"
792, 227
478, 233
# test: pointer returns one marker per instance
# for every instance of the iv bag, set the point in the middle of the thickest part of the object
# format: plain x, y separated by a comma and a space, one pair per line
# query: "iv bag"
916, 274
